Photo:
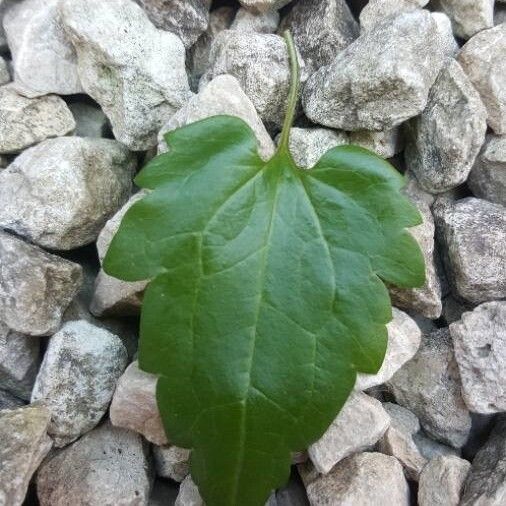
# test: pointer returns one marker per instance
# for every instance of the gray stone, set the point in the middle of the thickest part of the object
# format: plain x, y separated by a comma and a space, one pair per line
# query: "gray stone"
75, 185
443, 142
308, 145
187, 19
133, 70
488, 177
380, 11
44, 58
321, 29
454, 308
90, 120
429, 386
499, 14
4, 4
473, 234
479, 340
172, 462
5, 75
77, 378
134, 405
357, 479
382, 78
442, 480
360, 424
27, 121
483, 59
23, 445
222, 95
468, 16
9, 401
385, 144
35, 287
189, 494
106, 467
260, 22
19, 361
403, 341
264, 5
259, 61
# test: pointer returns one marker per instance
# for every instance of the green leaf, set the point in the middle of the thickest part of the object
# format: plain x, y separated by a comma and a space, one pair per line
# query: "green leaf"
266, 295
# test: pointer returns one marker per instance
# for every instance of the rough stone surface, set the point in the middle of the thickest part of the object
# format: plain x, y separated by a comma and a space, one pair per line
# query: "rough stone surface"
5, 75
468, 16
19, 361
77, 378
23, 444
473, 235
259, 61
44, 59
134, 71
483, 59
321, 29
486, 482
222, 95
445, 139
27, 121
385, 144
403, 341
479, 339
357, 479
379, 11
264, 5
381, 79
187, 19
262, 22
134, 405
106, 467
172, 462
35, 287
359, 425
9, 401
189, 494
90, 120
429, 385
488, 177
442, 480
74, 184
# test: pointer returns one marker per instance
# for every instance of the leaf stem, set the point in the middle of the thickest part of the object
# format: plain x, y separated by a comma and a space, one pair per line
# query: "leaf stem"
294, 92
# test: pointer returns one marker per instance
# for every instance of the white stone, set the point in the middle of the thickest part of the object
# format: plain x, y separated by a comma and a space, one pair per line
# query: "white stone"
77, 378
134, 405
260, 22
27, 121
35, 287
189, 494
133, 70
172, 462
479, 339
385, 144
264, 5
379, 11
359, 426
44, 59
74, 184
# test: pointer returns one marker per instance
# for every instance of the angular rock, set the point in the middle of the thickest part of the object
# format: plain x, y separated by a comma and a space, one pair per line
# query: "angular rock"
134, 405
488, 177
380, 11
429, 386
23, 445
468, 16
90, 120
321, 29
9, 401
5, 75
35, 287
19, 361
479, 339
187, 19
308, 145
107, 466
222, 95
403, 341
486, 482
43, 56
357, 479
172, 462
442, 480
264, 5
473, 234
385, 144
27, 121
189, 494
430, 449
382, 78
134, 71
453, 309
262, 22
443, 142
75, 184
77, 378
359, 426
483, 59
259, 61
